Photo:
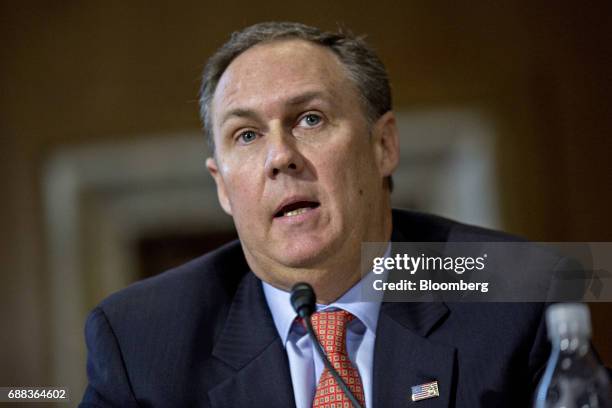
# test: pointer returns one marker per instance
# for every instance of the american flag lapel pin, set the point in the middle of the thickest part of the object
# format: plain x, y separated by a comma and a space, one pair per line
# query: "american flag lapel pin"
424, 391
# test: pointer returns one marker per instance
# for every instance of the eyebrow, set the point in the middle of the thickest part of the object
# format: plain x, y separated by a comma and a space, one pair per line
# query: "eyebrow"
294, 101
307, 97
240, 113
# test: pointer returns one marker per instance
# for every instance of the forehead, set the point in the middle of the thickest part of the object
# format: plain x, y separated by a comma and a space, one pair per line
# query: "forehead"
270, 73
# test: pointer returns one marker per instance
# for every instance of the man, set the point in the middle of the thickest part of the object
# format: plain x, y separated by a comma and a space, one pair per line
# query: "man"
305, 143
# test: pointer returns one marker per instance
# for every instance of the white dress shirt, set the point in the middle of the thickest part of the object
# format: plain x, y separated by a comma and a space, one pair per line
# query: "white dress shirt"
305, 365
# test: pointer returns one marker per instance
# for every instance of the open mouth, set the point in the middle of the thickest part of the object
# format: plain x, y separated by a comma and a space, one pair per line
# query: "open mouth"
296, 208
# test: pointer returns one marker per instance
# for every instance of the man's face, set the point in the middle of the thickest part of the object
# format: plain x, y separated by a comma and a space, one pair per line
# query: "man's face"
296, 163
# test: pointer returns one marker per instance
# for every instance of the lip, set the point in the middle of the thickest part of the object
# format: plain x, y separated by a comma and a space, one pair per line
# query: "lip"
303, 219
291, 200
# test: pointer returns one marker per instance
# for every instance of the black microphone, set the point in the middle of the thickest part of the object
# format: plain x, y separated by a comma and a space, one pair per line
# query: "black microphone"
303, 299
303, 302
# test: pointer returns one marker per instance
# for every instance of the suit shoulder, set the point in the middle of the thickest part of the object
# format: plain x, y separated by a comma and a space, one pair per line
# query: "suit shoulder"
415, 226
208, 282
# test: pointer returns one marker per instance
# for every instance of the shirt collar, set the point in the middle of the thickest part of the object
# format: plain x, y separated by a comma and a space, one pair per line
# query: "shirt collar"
352, 301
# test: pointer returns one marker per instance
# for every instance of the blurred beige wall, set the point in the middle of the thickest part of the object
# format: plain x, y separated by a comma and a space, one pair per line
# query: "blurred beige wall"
78, 72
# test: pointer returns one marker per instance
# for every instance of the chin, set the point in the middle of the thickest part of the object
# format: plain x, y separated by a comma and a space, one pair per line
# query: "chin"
304, 254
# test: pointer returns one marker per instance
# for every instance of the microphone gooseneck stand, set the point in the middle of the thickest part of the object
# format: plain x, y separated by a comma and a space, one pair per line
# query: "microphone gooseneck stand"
303, 301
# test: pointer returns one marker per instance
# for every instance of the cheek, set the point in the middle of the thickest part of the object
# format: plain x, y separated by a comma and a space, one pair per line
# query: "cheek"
353, 161
244, 203
242, 191
346, 171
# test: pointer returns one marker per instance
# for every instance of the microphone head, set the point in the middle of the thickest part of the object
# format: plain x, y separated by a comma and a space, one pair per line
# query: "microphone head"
303, 299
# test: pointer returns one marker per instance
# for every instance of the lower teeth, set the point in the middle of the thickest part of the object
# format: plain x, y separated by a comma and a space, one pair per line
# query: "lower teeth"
296, 212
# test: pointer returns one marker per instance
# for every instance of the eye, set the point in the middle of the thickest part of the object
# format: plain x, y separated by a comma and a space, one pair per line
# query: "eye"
246, 137
310, 120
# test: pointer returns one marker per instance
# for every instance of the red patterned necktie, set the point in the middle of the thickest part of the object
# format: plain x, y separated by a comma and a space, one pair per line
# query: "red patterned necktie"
330, 328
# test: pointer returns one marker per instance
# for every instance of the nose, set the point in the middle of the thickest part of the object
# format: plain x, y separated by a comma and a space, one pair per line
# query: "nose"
282, 155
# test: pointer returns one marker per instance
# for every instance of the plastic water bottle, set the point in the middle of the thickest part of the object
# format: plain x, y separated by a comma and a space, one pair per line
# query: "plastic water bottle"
574, 376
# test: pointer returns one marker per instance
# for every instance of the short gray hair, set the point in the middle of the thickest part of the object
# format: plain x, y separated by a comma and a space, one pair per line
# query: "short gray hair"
364, 67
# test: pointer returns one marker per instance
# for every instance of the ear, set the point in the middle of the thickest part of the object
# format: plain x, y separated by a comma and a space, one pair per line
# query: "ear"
211, 165
385, 137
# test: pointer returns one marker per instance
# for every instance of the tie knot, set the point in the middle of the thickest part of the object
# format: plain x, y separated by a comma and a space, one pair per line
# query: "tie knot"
330, 328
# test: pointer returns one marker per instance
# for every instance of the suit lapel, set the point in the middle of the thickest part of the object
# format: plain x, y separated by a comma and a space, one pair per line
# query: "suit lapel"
250, 345
404, 357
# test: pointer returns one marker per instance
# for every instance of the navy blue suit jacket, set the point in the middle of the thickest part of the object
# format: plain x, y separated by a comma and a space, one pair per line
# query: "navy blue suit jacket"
201, 335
